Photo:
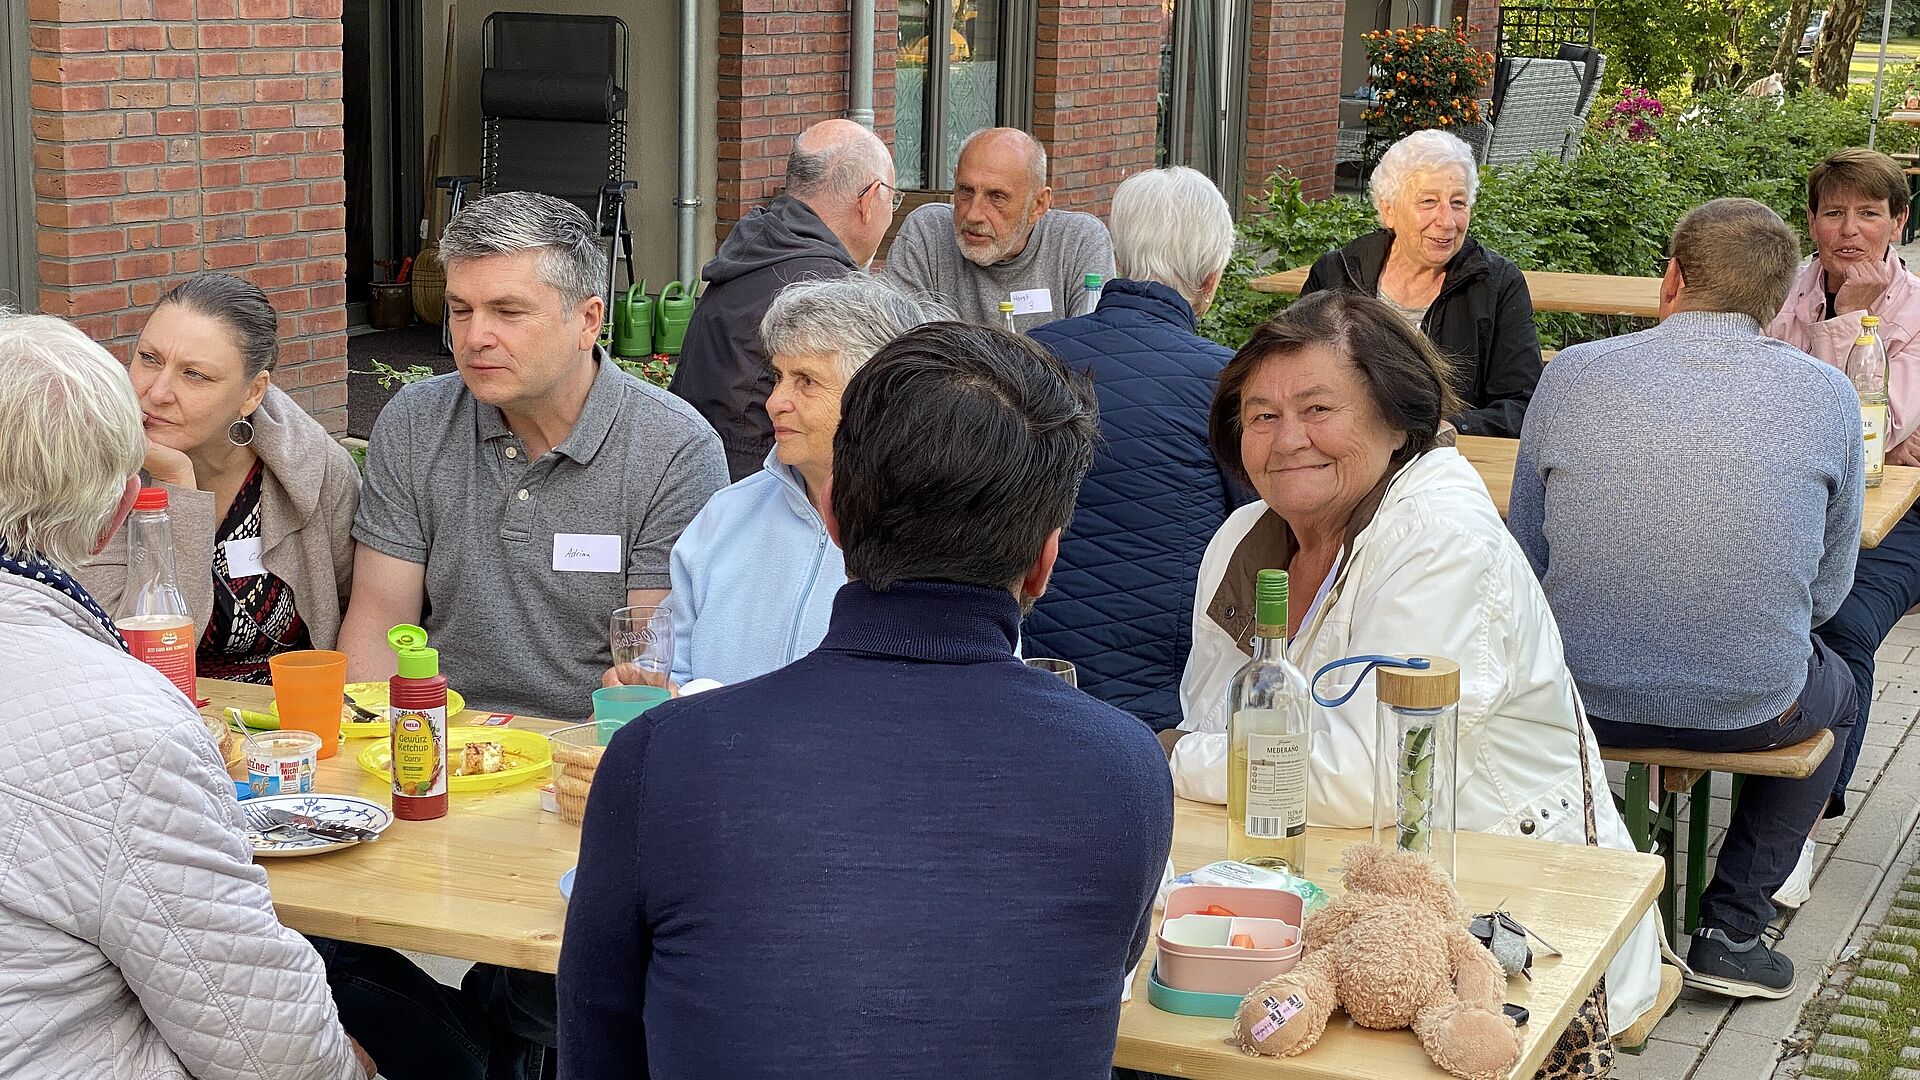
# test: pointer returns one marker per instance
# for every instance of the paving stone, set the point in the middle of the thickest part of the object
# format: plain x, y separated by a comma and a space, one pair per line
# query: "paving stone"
1843, 1046
1902, 634
1872, 988
1910, 1055
1695, 1017
1862, 1005
1661, 1060
1884, 969
1902, 1073
1895, 950
1892, 695
1741, 1053
1831, 1068
1858, 1026
1890, 653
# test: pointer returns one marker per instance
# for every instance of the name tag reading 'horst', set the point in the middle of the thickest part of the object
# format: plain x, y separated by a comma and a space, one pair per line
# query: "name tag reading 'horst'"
587, 553
1032, 301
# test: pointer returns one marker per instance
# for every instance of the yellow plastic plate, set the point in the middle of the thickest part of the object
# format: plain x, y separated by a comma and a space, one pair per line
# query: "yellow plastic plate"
372, 696
529, 752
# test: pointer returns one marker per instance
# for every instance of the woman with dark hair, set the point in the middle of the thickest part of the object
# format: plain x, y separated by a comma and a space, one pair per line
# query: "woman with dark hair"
261, 497
1332, 412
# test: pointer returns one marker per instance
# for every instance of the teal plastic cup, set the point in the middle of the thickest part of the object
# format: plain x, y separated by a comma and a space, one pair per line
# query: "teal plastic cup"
619, 704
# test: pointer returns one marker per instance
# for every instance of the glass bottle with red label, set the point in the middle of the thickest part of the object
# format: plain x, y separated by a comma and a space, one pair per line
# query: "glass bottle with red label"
153, 615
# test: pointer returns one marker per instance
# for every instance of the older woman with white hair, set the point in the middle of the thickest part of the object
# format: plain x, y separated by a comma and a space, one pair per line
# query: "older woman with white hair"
1124, 579
753, 575
1465, 298
137, 936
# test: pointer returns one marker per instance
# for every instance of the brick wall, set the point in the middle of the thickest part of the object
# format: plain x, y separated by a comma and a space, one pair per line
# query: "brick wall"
782, 69
1095, 94
174, 136
1483, 21
1293, 91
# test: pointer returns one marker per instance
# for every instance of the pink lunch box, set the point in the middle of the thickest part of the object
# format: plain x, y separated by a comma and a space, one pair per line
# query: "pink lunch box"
1194, 954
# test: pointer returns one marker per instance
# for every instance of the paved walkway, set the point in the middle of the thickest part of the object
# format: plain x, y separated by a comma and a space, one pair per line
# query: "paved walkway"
1862, 864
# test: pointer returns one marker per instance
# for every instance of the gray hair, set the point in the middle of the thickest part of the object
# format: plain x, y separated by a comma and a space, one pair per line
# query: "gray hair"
1420, 153
73, 438
240, 308
844, 168
1172, 226
1036, 153
848, 318
571, 261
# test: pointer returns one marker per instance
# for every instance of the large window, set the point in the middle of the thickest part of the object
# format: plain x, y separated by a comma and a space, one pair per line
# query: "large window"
1203, 103
979, 79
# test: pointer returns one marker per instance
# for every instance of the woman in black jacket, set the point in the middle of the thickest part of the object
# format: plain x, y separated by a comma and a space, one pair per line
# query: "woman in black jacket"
1468, 300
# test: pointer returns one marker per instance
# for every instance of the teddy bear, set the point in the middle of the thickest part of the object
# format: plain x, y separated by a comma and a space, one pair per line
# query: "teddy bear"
1393, 951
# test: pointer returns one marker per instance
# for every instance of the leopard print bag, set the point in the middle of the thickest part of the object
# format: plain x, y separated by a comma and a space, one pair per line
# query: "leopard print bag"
1585, 1049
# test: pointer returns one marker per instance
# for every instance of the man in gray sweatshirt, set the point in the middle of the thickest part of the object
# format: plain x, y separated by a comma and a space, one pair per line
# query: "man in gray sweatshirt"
1690, 496
1001, 239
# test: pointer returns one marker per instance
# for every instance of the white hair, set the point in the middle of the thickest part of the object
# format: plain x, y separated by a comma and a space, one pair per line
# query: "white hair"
73, 436
1172, 226
849, 318
1417, 155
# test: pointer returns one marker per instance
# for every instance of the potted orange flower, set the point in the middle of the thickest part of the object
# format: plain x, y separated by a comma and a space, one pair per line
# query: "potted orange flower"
1424, 77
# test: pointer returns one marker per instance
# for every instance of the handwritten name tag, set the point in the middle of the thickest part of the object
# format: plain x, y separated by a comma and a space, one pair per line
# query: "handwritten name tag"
243, 558
586, 553
1032, 301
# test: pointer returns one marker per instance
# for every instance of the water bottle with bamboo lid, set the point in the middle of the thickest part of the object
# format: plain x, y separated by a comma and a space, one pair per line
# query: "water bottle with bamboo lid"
1416, 757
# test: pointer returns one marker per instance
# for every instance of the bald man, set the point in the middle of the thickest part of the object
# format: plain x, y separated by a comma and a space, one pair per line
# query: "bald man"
1001, 239
838, 203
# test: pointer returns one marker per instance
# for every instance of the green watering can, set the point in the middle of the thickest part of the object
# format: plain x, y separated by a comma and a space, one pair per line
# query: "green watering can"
671, 315
633, 322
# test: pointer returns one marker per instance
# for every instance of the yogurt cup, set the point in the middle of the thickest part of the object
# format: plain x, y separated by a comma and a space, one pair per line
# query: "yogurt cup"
281, 762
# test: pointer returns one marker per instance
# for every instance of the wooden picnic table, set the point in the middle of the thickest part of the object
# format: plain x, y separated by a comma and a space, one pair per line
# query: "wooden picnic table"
1588, 294
481, 884
1493, 458
1584, 900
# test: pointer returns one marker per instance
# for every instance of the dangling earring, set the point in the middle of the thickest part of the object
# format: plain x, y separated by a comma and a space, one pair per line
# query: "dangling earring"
240, 432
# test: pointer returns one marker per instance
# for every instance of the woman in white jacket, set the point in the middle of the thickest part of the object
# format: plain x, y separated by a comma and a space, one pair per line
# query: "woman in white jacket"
1332, 412
137, 936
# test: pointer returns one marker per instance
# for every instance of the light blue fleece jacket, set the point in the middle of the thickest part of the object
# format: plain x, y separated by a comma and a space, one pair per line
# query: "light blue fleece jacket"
753, 578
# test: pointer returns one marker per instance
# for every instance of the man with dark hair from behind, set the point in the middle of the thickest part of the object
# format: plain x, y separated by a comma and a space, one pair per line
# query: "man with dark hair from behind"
905, 854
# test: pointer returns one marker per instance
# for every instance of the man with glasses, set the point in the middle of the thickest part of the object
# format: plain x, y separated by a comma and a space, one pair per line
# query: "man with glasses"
836, 209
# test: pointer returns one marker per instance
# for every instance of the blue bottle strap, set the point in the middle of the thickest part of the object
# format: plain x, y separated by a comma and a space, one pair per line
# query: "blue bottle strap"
1418, 663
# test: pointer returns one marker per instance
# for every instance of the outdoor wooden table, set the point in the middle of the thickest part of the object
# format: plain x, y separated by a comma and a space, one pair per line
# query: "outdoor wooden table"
1584, 900
480, 884
1493, 458
1588, 294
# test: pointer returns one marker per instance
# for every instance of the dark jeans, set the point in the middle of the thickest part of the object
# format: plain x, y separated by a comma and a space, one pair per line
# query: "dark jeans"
1774, 815
498, 1025
1886, 583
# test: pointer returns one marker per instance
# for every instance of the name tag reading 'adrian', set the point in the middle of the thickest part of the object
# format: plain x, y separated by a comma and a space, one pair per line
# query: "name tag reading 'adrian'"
586, 553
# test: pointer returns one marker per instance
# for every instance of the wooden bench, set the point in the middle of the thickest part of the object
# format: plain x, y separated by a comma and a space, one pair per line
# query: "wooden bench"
1687, 775
1634, 1039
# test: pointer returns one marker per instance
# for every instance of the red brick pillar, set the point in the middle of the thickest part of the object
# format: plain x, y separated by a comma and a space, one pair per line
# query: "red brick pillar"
1483, 21
173, 136
782, 69
1293, 92
1096, 94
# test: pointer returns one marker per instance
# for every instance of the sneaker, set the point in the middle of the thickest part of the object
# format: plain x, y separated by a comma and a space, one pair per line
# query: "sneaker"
1799, 884
1739, 969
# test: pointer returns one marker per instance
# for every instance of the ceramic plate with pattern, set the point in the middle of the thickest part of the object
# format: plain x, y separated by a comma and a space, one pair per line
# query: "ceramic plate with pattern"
345, 809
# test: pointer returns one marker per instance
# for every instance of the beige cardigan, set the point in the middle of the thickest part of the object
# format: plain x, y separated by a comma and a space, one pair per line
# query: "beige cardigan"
308, 494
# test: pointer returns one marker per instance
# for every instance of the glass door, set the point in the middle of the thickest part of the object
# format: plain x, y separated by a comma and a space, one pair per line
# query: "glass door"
943, 93
1203, 104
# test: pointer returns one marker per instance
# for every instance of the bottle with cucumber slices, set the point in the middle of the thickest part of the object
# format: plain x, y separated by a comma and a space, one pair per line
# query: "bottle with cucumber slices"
1416, 758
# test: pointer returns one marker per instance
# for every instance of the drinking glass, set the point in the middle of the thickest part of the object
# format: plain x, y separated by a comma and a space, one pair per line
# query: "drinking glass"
1056, 667
309, 686
642, 641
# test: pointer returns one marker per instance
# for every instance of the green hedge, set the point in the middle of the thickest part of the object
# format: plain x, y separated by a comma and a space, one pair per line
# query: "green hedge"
1609, 211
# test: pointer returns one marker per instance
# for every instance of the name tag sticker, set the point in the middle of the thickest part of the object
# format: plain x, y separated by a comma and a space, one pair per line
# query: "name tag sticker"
243, 558
587, 553
1032, 301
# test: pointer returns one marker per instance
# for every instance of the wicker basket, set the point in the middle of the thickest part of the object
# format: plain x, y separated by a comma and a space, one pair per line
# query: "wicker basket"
429, 285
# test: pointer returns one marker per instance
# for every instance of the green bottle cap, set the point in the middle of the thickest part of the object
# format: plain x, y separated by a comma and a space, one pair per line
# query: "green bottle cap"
1869, 321
1270, 604
409, 645
1093, 281
1006, 307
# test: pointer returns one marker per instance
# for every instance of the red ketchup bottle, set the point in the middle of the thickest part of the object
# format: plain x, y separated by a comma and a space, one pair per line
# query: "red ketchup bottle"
417, 711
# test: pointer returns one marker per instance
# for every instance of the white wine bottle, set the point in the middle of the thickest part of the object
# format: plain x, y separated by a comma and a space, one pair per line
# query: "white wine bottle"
1269, 743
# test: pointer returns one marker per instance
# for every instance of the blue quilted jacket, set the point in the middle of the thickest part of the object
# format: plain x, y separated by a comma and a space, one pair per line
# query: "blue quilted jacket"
1121, 601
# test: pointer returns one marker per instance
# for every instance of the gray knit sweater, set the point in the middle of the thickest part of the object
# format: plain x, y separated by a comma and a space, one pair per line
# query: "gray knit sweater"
1690, 496
1065, 247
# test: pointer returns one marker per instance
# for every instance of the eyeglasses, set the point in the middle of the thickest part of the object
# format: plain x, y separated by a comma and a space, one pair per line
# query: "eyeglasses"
1666, 261
898, 195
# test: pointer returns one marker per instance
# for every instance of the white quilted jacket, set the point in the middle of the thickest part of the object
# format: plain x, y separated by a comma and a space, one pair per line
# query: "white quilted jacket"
137, 938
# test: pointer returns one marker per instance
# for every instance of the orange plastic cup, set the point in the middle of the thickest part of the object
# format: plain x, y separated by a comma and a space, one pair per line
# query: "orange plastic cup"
309, 687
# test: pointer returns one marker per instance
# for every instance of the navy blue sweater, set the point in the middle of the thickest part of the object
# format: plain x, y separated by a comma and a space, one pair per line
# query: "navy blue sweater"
1120, 605
903, 855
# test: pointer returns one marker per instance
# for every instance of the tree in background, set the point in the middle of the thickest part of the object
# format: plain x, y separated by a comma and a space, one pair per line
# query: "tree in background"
1833, 55
1790, 32
1703, 44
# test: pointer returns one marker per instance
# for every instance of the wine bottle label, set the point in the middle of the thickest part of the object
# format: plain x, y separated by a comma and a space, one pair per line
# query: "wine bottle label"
1276, 785
1873, 428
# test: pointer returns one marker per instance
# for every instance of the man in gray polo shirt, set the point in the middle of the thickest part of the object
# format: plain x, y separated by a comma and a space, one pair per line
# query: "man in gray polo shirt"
512, 506
1001, 239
